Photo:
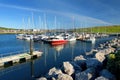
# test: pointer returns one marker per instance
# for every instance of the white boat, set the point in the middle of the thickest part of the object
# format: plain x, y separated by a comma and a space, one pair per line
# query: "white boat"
91, 39
20, 36
28, 37
69, 37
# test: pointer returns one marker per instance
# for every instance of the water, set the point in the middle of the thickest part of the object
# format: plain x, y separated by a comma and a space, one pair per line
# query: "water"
52, 56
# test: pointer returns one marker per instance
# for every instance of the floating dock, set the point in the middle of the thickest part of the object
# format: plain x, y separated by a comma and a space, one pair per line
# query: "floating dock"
17, 58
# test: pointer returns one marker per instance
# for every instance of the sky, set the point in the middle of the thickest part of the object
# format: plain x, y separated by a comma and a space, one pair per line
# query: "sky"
52, 14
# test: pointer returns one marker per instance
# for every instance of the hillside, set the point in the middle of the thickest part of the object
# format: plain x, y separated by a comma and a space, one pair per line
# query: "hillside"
4, 28
101, 29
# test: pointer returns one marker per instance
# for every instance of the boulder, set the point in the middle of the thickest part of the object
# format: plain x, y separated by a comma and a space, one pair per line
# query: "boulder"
105, 73
68, 68
94, 63
54, 71
107, 51
81, 61
64, 77
101, 78
100, 56
42, 78
53, 78
111, 49
86, 75
76, 67
79, 58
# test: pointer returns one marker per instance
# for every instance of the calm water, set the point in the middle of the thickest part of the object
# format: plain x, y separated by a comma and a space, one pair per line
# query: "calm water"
52, 56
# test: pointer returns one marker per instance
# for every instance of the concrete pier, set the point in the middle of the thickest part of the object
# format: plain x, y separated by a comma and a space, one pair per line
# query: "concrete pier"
18, 58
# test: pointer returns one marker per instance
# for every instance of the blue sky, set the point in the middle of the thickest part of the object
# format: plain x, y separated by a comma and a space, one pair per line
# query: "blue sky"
68, 13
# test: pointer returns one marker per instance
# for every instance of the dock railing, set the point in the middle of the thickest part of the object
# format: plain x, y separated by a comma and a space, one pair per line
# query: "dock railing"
13, 53
16, 52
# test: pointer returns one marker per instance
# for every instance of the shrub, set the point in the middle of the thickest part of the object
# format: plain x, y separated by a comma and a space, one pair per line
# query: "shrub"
113, 64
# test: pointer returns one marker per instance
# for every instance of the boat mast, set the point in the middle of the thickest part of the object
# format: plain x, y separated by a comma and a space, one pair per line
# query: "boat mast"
55, 25
45, 24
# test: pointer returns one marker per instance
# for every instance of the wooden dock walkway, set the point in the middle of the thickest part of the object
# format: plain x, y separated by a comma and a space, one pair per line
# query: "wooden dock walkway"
18, 58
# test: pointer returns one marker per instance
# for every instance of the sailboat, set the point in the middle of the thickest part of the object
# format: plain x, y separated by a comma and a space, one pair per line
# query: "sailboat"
21, 36
89, 37
56, 39
72, 36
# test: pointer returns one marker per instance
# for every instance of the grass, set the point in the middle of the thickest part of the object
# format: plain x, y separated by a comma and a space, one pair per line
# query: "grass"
3, 28
101, 29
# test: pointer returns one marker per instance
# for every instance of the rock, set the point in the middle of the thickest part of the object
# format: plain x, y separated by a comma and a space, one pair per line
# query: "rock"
42, 78
111, 49
86, 75
64, 77
81, 61
53, 78
54, 71
100, 56
76, 67
94, 63
79, 58
101, 78
107, 51
105, 73
68, 68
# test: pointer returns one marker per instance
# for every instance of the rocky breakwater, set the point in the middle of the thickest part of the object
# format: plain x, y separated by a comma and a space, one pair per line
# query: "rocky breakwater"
86, 68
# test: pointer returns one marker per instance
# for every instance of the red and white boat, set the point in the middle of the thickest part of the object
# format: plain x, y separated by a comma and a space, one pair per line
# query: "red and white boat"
57, 40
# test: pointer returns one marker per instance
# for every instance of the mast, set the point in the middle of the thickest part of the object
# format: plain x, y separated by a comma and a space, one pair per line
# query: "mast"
23, 25
55, 24
33, 22
40, 23
45, 23
74, 23
29, 24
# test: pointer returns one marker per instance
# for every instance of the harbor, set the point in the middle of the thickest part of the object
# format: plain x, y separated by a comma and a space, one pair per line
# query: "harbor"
53, 55
59, 40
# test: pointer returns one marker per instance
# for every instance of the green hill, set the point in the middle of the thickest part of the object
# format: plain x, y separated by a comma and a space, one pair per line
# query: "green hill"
101, 29
4, 28
97, 29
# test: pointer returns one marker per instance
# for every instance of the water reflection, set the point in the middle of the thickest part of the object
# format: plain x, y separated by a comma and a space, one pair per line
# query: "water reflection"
88, 53
72, 45
58, 49
46, 53
18, 68
32, 68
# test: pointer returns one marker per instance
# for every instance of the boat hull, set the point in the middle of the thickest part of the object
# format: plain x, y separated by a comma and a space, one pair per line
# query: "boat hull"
58, 42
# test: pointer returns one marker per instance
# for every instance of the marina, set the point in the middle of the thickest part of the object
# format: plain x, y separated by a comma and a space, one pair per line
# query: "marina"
52, 55
59, 40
